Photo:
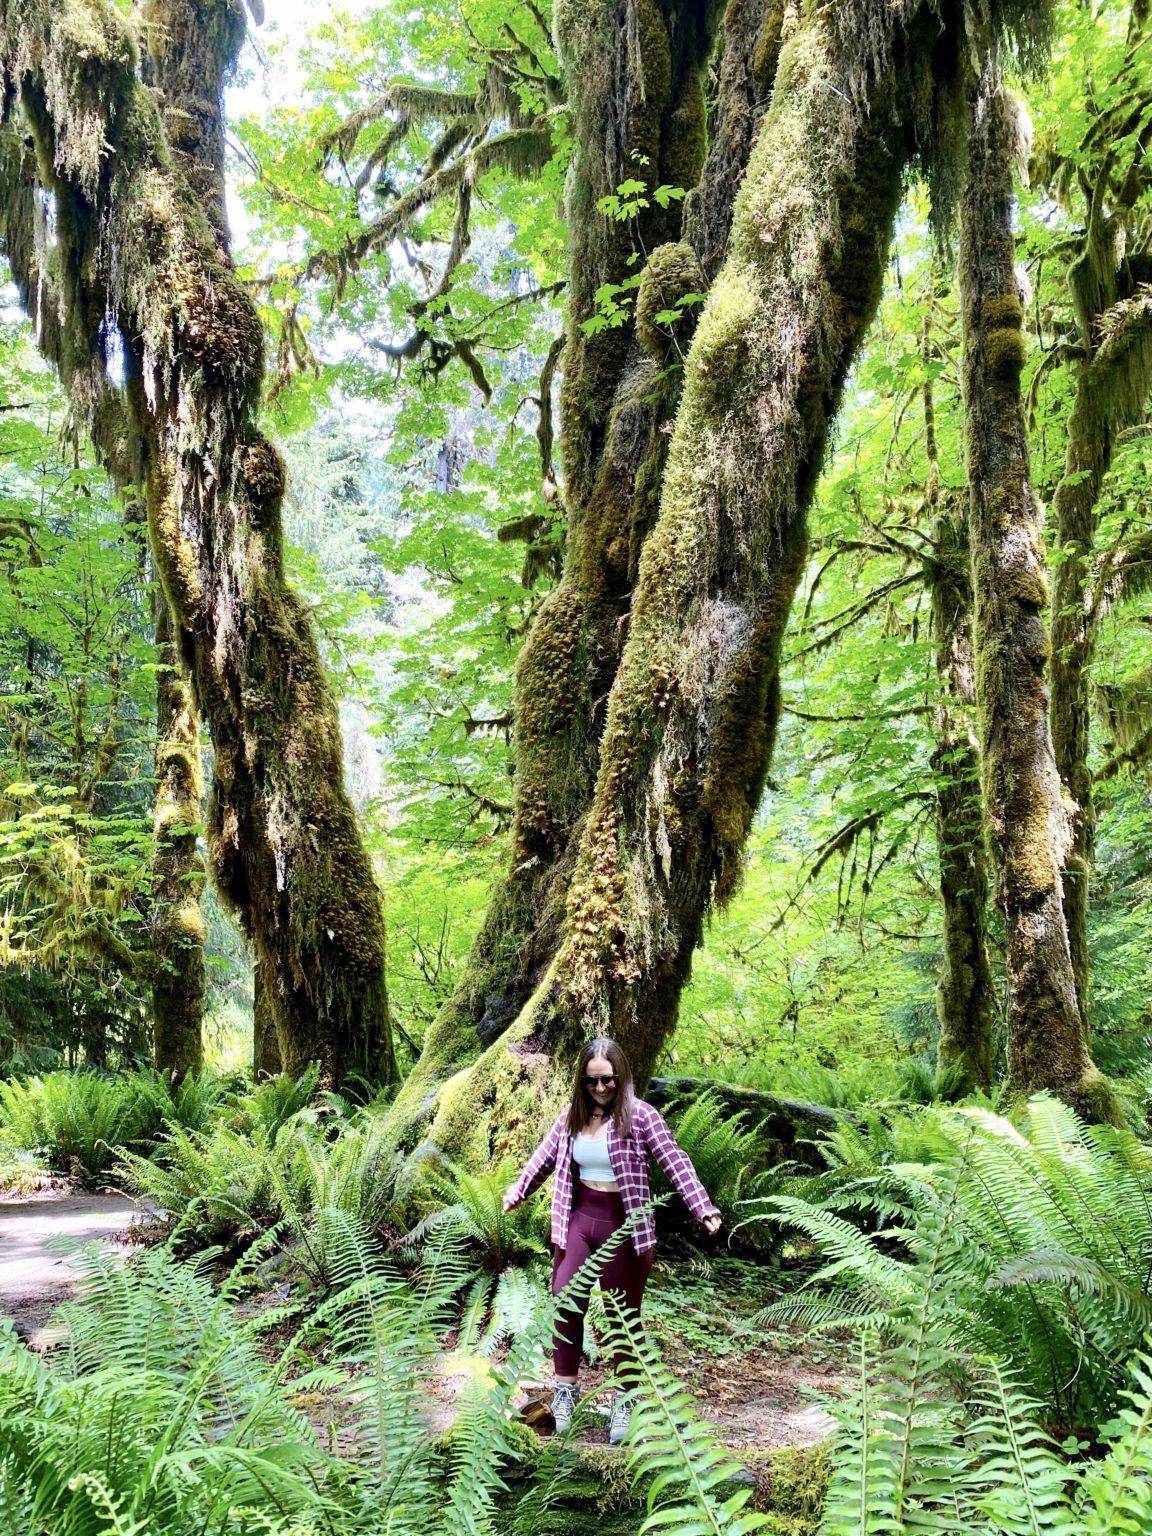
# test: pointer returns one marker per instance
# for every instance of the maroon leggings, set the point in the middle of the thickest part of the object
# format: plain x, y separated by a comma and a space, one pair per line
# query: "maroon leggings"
596, 1213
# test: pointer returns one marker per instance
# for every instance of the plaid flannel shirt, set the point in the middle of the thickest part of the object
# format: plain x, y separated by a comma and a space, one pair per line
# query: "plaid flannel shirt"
629, 1158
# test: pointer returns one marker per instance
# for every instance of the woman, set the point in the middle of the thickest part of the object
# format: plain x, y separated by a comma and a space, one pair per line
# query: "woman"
604, 1136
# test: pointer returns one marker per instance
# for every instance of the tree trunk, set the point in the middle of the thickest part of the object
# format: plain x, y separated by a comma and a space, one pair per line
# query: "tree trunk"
185, 55
793, 1128
964, 997
1047, 1044
189, 47
647, 83
693, 706
1112, 389
265, 1046
178, 928
141, 287
965, 1002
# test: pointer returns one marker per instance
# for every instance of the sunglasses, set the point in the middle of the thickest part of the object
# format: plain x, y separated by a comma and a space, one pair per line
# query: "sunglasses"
600, 1082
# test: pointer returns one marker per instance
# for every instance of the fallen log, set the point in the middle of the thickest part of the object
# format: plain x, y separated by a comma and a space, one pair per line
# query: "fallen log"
792, 1128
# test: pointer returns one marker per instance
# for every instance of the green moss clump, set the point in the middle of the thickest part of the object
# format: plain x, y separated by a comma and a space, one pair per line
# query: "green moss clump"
791, 1487
188, 924
500, 1105
262, 471
1006, 352
1002, 311
611, 1475
673, 271
1026, 584
1005, 349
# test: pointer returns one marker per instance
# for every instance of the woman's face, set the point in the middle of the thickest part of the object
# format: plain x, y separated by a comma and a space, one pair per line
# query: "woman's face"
601, 1092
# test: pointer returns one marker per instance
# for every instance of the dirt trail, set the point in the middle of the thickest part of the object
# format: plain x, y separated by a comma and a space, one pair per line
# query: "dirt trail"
36, 1239
757, 1402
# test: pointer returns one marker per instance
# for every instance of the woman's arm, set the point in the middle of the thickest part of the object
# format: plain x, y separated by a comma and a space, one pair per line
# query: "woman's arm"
537, 1168
678, 1166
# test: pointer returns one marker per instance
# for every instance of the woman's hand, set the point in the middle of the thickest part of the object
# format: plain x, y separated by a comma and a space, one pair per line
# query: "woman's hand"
509, 1202
711, 1224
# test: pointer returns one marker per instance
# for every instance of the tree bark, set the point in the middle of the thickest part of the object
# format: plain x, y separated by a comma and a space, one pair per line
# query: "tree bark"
186, 53
1047, 1043
965, 1002
178, 928
265, 1045
142, 288
640, 71
693, 707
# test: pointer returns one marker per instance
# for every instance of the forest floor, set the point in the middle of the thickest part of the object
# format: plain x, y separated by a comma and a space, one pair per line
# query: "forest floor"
754, 1386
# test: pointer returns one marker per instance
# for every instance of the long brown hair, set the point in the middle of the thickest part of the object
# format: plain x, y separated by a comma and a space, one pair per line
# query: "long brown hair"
581, 1101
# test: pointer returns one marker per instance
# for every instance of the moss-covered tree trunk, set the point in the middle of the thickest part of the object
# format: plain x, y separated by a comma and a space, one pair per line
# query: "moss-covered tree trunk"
1047, 1043
139, 285
642, 73
1112, 390
1108, 279
185, 51
265, 1045
965, 1001
692, 710
178, 927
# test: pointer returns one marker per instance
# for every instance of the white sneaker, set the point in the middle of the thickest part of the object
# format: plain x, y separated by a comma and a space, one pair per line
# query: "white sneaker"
621, 1418
565, 1396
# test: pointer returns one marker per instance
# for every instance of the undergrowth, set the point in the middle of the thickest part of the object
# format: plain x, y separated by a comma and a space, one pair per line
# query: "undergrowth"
169, 1410
76, 1121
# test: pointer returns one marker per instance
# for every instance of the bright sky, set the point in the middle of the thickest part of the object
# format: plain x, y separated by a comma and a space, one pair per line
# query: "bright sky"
274, 80
283, 19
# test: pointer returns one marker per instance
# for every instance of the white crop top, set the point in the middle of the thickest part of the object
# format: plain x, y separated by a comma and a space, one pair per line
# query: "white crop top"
590, 1154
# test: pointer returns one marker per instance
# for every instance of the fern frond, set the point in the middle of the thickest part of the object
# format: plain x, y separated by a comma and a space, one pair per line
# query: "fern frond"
673, 1452
1025, 1477
1116, 1493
